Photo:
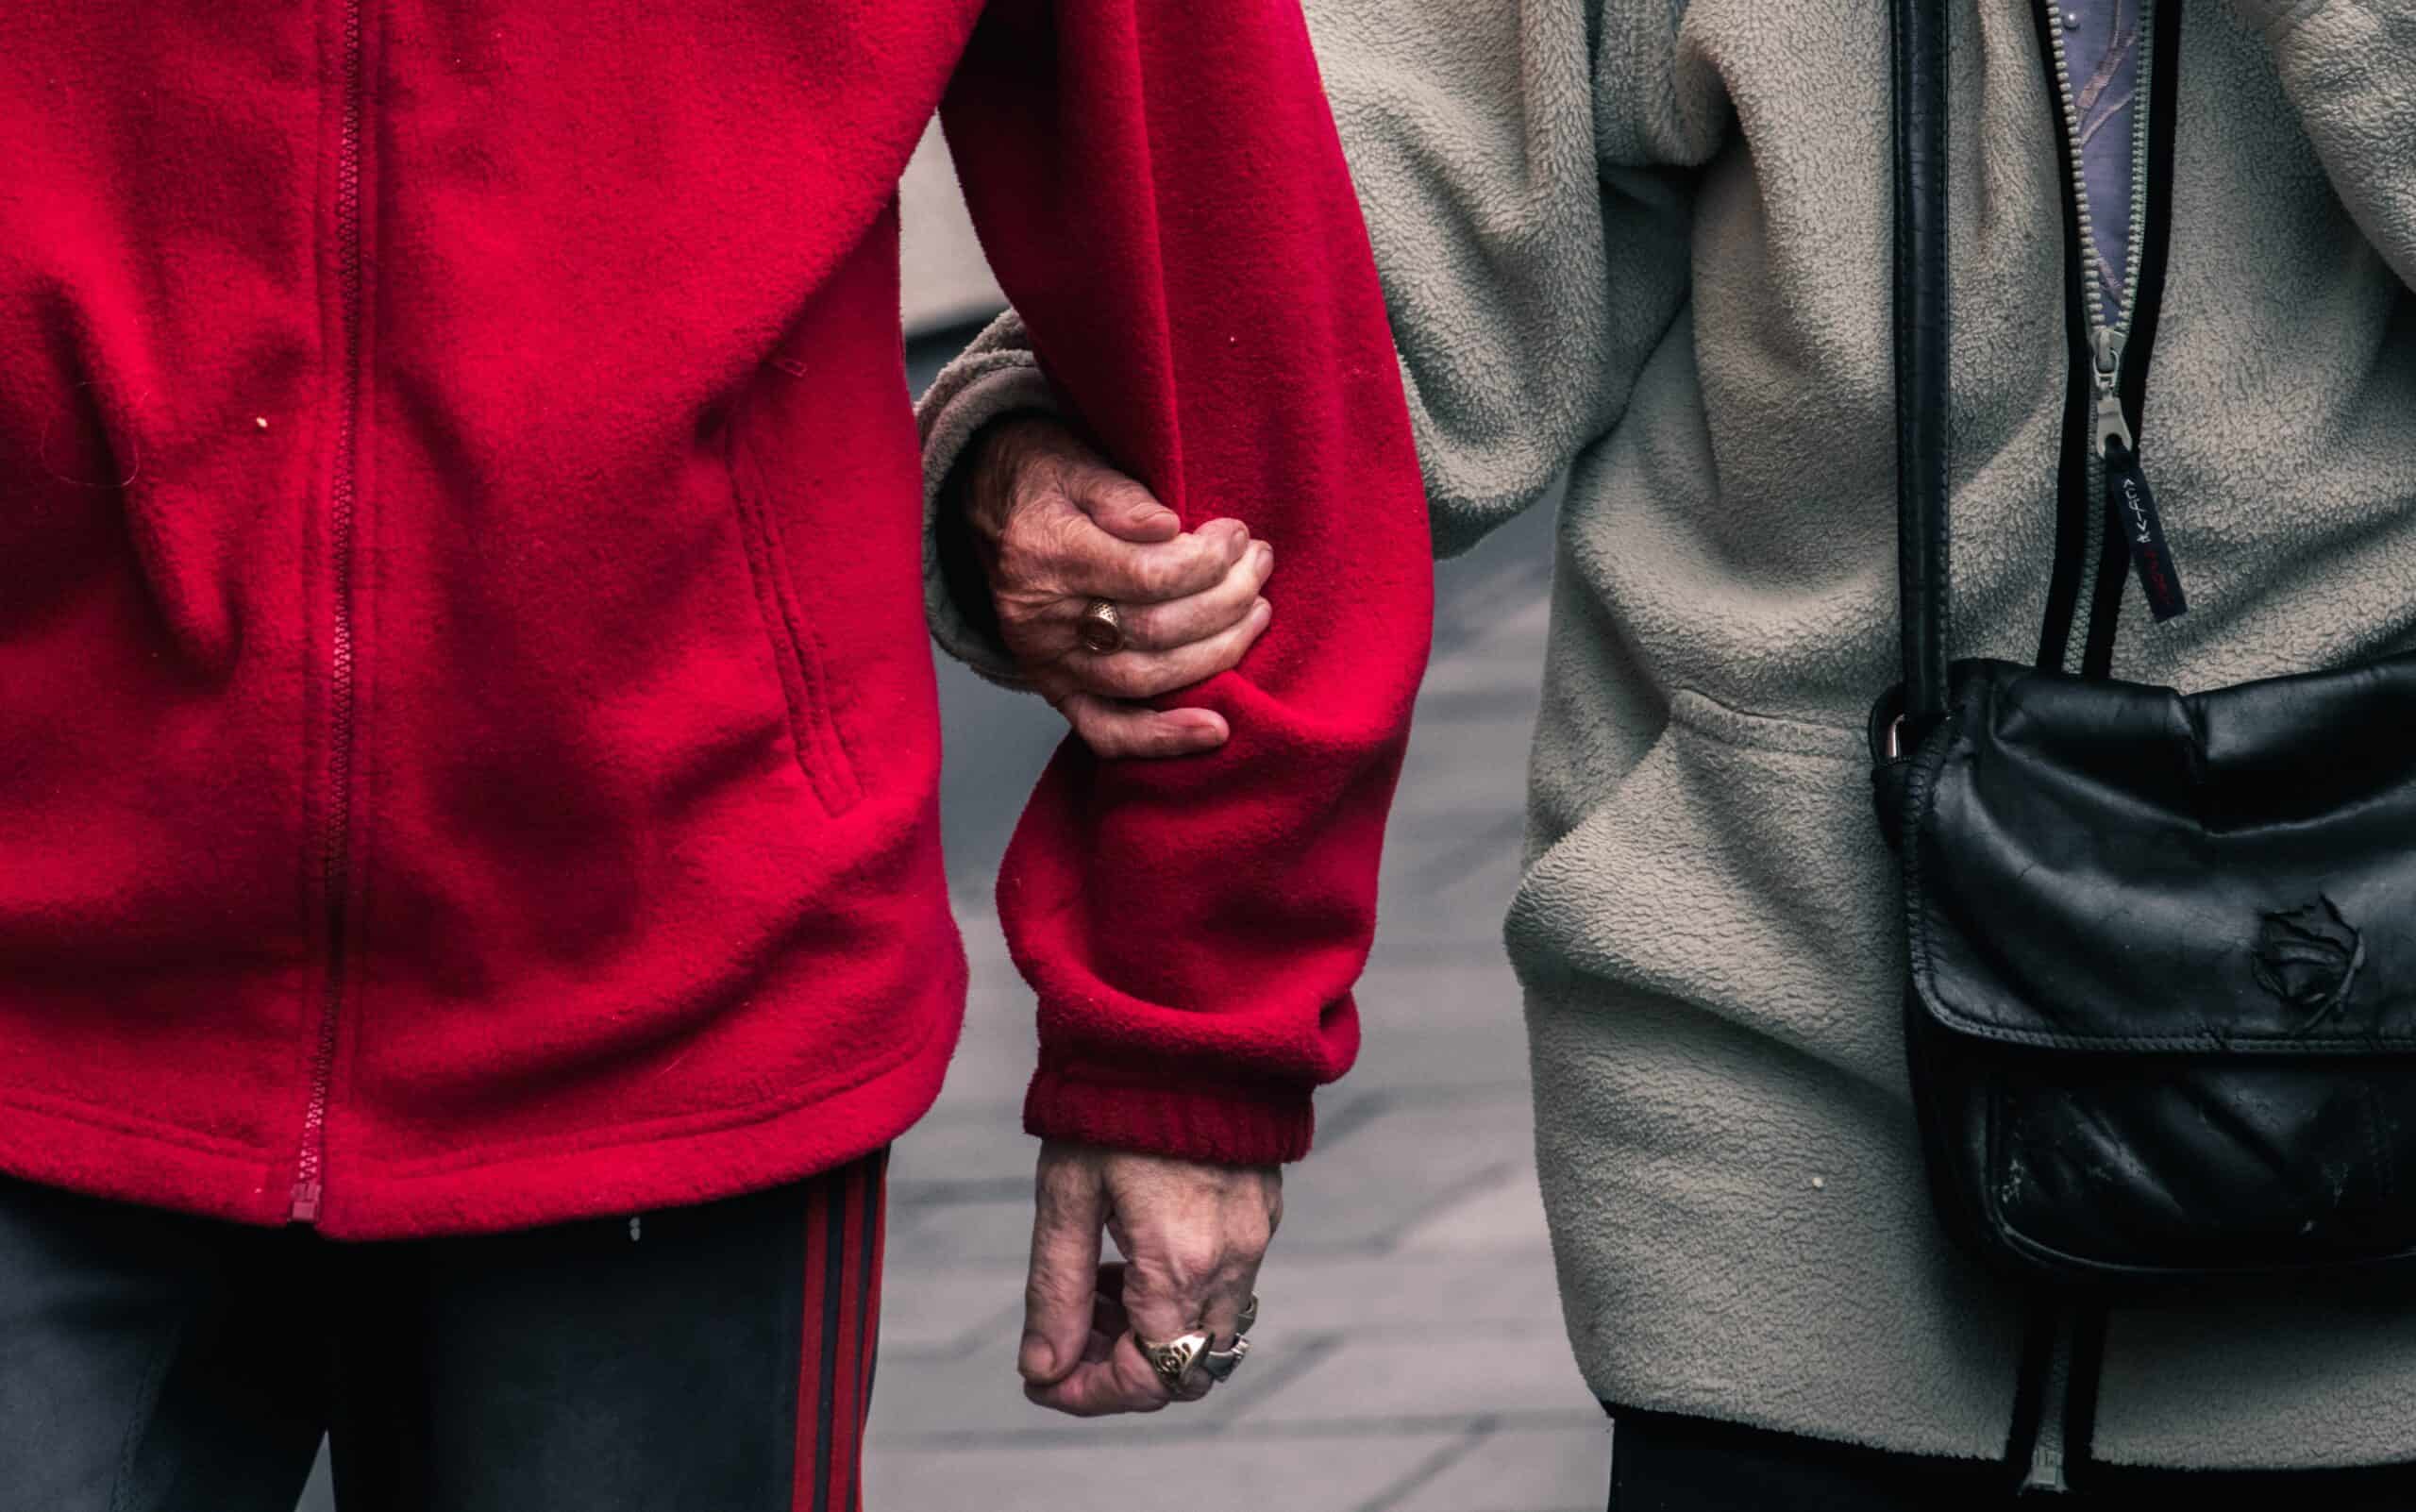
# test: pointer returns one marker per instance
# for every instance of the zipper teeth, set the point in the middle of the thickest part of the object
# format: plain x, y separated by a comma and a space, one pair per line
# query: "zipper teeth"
2142, 87
2092, 314
309, 1166
2093, 307
2070, 106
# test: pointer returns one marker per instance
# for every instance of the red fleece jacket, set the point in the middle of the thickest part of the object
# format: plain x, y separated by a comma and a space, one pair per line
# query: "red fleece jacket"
467, 735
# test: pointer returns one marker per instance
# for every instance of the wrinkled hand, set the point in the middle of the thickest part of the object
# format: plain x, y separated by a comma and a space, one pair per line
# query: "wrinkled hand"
1192, 1236
1056, 528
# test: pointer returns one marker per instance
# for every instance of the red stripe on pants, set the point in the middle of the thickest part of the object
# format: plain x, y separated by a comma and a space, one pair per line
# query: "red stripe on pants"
845, 1232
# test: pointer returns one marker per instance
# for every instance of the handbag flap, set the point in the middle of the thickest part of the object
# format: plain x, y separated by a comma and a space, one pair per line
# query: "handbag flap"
2094, 865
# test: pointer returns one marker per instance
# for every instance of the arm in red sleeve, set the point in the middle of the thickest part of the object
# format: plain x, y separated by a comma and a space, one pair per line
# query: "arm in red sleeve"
1159, 190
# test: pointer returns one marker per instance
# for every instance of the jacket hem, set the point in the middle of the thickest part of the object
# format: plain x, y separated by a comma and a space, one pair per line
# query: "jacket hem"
64, 1147
1847, 1449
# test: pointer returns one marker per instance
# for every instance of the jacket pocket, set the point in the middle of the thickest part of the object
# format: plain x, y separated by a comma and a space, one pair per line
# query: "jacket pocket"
820, 746
1735, 868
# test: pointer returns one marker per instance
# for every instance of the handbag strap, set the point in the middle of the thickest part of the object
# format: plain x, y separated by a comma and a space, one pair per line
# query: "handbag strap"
1919, 75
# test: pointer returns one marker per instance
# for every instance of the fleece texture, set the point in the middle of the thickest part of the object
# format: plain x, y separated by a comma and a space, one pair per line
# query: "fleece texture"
1650, 244
468, 743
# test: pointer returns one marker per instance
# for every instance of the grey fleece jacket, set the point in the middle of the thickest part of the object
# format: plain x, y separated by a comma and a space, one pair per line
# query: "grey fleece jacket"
1648, 241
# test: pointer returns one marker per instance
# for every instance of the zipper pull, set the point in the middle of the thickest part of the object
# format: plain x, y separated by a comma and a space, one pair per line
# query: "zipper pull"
2111, 426
2130, 509
306, 1203
2130, 504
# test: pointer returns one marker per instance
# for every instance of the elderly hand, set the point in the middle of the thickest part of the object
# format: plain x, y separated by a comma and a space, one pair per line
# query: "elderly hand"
1057, 529
1192, 1236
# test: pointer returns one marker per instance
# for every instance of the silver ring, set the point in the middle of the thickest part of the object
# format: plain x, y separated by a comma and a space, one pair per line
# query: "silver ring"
1101, 628
1221, 1364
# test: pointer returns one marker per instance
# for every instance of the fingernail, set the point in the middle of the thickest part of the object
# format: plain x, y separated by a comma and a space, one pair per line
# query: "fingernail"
1265, 557
1036, 1361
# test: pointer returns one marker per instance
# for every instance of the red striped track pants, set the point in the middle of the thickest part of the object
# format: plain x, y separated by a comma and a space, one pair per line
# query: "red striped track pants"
717, 1357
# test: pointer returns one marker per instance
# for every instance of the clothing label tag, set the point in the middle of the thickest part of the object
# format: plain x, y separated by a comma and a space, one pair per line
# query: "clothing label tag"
2130, 507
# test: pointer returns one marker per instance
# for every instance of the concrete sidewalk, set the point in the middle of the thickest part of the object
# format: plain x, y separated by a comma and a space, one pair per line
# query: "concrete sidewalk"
1411, 1358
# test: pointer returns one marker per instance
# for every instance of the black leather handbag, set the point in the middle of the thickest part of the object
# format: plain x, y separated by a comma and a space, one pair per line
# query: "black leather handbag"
2161, 1015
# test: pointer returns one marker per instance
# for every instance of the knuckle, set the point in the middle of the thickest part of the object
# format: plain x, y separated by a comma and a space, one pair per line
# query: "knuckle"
1148, 676
1251, 1235
1225, 655
1193, 1260
1119, 676
1146, 626
1157, 573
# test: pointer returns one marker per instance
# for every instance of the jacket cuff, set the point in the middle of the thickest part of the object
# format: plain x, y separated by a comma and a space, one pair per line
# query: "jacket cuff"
1222, 1125
975, 390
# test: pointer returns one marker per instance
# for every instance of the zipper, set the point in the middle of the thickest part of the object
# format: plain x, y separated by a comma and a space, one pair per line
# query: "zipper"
2069, 101
2123, 524
309, 1172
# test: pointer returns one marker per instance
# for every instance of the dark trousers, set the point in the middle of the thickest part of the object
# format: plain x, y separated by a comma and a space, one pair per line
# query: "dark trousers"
715, 1358
1664, 1464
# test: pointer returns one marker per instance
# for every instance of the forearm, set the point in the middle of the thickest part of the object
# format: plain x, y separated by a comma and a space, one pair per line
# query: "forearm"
1163, 200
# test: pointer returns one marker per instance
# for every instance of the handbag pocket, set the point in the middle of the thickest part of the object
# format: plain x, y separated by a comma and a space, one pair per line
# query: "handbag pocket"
2122, 1164
2162, 1016
2106, 1169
